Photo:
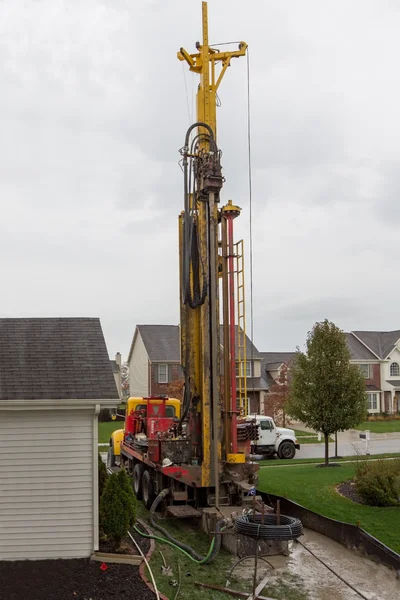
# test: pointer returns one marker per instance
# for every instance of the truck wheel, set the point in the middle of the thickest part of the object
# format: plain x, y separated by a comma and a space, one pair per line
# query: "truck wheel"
137, 480
147, 489
110, 458
286, 450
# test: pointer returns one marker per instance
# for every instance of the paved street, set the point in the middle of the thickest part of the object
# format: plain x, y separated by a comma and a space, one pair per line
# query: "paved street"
349, 442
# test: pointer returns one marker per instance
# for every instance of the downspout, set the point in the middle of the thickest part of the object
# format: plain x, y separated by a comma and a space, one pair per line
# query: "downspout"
95, 453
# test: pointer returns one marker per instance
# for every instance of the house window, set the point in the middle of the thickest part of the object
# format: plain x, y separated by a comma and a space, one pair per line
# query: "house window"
373, 402
248, 369
364, 370
394, 369
162, 373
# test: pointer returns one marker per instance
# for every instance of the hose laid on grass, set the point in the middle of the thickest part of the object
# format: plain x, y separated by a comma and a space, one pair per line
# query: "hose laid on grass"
289, 529
169, 539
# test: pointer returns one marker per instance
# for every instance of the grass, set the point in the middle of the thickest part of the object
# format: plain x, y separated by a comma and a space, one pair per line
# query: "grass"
380, 426
315, 489
106, 429
215, 573
308, 437
276, 462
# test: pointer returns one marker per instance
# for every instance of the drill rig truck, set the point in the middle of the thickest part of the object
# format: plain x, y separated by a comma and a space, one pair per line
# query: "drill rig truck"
199, 449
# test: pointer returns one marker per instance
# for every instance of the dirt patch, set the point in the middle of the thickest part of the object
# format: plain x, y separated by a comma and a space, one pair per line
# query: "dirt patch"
74, 579
348, 490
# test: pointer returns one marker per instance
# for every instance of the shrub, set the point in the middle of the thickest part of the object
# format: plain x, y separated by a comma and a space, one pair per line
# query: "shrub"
130, 498
378, 482
103, 476
115, 511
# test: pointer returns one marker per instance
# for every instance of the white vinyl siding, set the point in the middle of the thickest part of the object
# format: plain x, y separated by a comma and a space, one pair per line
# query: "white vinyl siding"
139, 370
46, 484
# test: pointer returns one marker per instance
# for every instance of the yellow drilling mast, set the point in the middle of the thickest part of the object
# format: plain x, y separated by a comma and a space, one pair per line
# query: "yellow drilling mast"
206, 255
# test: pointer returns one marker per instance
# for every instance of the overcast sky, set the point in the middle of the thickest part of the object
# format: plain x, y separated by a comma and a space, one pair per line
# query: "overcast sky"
94, 108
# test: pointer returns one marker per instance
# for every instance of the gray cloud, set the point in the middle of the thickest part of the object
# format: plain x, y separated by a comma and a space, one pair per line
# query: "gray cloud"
94, 111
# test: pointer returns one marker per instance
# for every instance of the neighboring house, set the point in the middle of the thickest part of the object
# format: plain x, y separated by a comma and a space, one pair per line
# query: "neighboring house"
377, 353
154, 362
55, 376
116, 369
271, 365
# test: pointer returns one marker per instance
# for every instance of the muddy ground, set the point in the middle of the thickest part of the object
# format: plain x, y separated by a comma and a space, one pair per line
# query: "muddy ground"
302, 577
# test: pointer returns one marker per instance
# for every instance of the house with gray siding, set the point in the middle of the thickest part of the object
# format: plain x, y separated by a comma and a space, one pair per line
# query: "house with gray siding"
55, 376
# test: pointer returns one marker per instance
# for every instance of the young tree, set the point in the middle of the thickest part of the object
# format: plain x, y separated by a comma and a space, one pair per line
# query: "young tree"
327, 393
103, 475
125, 380
175, 389
130, 498
117, 511
278, 397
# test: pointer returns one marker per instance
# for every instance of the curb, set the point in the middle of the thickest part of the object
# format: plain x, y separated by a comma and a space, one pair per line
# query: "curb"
142, 568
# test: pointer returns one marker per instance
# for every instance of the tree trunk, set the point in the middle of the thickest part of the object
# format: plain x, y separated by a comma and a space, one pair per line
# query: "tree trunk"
336, 454
326, 436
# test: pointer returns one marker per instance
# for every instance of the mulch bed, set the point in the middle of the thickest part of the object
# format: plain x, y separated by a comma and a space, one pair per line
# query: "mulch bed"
348, 490
75, 579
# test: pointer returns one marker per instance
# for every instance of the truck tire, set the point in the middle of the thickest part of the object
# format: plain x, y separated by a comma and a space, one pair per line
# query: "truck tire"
286, 450
110, 458
147, 489
137, 480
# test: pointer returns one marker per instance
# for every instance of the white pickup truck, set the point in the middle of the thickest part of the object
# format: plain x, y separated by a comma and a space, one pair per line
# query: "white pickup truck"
272, 439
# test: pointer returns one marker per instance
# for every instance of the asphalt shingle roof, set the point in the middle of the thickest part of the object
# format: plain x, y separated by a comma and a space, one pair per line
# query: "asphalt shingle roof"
273, 360
357, 350
54, 359
162, 343
380, 342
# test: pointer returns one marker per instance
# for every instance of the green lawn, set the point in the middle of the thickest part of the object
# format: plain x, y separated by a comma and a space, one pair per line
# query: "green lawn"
277, 462
106, 429
308, 437
380, 426
314, 488
214, 573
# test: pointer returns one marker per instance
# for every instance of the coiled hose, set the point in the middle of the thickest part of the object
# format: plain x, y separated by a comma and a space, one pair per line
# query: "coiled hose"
169, 539
289, 528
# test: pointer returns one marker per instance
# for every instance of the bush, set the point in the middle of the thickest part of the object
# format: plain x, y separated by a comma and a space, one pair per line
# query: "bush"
103, 476
117, 511
378, 482
130, 498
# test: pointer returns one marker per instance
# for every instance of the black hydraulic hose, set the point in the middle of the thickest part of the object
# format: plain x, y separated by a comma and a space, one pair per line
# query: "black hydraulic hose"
289, 528
218, 528
190, 239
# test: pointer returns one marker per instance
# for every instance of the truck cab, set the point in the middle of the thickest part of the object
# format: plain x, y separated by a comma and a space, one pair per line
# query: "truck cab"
273, 440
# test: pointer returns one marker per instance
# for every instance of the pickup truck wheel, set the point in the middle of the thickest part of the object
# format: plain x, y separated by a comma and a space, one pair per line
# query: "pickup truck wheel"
147, 489
137, 480
286, 450
110, 458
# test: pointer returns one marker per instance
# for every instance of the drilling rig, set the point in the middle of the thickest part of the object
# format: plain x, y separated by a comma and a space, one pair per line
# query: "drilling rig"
199, 450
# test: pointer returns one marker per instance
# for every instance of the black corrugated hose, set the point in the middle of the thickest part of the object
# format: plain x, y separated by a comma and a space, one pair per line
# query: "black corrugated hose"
289, 528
